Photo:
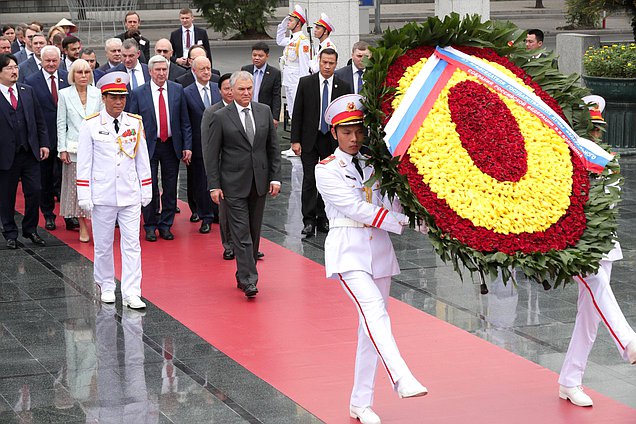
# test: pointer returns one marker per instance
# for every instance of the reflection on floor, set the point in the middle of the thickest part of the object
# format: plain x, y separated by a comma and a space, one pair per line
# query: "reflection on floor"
68, 359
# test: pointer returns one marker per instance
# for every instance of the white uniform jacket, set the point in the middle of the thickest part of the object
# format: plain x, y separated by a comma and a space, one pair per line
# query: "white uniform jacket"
295, 62
325, 44
113, 169
359, 218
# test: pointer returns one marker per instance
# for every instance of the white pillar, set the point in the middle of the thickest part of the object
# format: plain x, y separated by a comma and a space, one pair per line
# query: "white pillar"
571, 48
344, 14
463, 7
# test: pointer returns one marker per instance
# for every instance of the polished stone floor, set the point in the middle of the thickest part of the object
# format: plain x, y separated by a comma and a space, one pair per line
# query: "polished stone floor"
59, 348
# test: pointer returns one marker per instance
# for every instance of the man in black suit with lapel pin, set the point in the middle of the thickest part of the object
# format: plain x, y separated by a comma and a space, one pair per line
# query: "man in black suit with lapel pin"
186, 36
242, 162
46, 83
267, 82
23, 144
310, 136
352, 74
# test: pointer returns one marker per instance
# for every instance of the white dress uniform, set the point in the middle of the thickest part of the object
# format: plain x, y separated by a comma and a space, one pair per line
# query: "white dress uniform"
113, 171
296, 60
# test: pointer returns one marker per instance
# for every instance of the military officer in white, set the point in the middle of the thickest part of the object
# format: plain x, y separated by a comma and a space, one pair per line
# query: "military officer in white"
359, 254
113, 180
297, 53
322, 31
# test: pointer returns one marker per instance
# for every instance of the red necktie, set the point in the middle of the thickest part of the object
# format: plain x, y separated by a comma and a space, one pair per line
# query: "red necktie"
14, 100
163, 117
54, 89
187, 38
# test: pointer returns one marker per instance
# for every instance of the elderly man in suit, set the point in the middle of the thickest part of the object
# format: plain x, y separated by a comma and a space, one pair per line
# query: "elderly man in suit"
199, 96
169, 137
187, 36
46, 84
189, 78
164, 48
242, 163
23, 144
112, 47
33, 64
310, 136
266, 79
352, 74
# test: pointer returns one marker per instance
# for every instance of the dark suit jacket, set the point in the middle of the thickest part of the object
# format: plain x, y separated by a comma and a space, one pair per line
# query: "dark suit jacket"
26, 68
37, 133
15, 46
21, 56
144, 48
45, 99
346, 75
269, 93
175, 71
187, 79
231, 162
195, 113
176, 38
306, 115
141, 103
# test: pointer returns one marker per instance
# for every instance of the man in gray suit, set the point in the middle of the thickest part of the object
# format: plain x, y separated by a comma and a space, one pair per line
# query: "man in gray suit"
242, 164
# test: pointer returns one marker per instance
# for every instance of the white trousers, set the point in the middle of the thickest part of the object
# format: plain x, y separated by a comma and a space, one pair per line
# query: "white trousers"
375, 339
290, 95
596, 304
104, 218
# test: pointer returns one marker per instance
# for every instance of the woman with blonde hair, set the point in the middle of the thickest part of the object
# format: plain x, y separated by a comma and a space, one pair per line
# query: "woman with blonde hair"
53, 31
75, 103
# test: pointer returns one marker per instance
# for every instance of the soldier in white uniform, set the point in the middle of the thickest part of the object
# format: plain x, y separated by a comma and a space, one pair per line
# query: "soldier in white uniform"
596, 304
295, 62
359, 254
322, 31
113, 180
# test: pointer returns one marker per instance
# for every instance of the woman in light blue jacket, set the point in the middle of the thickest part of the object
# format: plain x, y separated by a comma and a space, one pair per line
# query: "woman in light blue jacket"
75, 103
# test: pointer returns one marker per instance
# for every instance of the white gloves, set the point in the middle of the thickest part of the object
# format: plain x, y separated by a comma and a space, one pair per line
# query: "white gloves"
86, 205
145, 201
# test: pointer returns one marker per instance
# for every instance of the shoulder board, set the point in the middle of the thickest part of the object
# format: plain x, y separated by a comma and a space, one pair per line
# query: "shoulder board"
92, 116
366, 156
134, 115
302, 37
327, 160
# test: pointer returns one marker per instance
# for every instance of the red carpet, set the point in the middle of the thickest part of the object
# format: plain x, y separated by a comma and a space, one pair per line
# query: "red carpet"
299, 336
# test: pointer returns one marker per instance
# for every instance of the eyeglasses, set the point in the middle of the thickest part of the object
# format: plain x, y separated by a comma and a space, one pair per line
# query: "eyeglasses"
159, 51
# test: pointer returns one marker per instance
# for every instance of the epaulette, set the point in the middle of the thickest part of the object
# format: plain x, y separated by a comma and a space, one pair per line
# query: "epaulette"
327, 160
302, 37
92, 116
134, 115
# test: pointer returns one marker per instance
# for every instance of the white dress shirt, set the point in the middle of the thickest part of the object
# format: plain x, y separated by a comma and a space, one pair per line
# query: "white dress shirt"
356, 77
242, 115
184, 35
200, 88
155, 99
5, 92
47, 79
139, 75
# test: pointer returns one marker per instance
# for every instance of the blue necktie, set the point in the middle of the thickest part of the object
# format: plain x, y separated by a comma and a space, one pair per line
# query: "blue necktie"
324, 128
133, 82
359, 81
206, 97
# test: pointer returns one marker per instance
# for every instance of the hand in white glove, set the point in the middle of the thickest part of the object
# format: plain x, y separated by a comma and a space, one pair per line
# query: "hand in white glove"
86, 205
145, 201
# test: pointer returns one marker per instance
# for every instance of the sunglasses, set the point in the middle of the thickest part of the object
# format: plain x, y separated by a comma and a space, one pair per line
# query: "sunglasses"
162, 51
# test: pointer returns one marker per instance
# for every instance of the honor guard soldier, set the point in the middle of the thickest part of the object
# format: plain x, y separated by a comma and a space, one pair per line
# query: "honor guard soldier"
322, 31
295, 62
113, 181
359, 254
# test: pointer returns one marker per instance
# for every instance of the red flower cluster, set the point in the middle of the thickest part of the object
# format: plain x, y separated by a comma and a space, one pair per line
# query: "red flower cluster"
488, 131
566, 232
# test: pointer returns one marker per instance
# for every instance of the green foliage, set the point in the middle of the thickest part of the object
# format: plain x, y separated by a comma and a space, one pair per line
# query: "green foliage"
584, 13
556, 266
245, 16
615, 61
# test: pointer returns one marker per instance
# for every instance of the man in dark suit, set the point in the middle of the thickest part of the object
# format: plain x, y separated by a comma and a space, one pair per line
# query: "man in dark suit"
189, 78
137, 71
19, 43
352, 74
112, 48
266, 79
310, 136
23, 144
199, 96
169, 139
242, 162
27, 52
46, 84
164, 48
132, 23
5, 45
188, 35
32, 64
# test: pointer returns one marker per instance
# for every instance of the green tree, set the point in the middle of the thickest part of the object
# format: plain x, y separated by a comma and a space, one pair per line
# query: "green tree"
587, 13
248, 17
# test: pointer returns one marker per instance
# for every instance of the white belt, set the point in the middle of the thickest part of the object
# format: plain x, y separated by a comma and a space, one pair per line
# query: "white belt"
345, 222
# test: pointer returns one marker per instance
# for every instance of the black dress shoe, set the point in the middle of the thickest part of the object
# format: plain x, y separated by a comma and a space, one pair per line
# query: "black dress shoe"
166, 235
260, 255
12, 244
151, 236
228, 254
71, 224
215, 219
205, 228
309, 230
35, 239
195, 217
50, 224
323, 226
177, 210
250, 290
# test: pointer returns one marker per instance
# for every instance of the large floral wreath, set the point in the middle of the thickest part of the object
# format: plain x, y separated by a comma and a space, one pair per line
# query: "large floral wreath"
497, 187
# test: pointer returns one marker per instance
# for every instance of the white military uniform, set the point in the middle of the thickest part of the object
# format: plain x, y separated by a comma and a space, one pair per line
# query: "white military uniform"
113, 171
359, 253
295, 62
325, 44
